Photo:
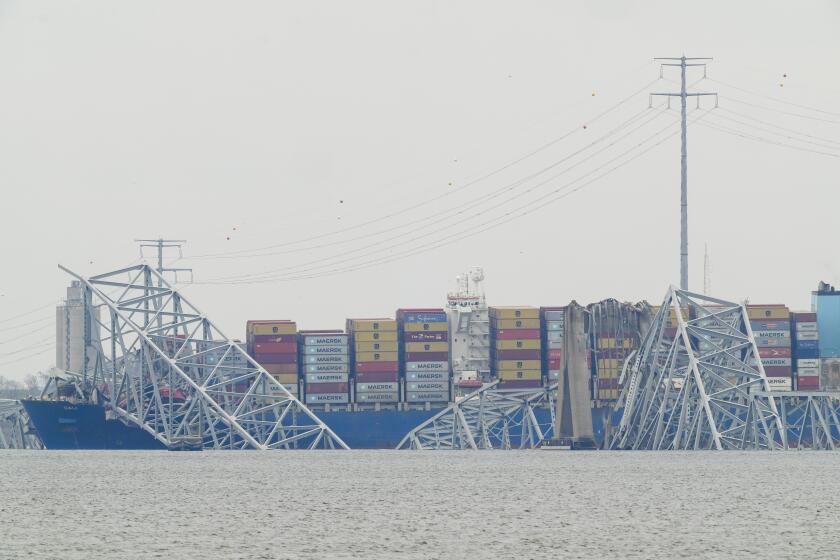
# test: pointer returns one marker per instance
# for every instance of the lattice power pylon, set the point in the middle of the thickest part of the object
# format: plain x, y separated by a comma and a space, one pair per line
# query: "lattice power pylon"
698, 383
487, 419
162, 365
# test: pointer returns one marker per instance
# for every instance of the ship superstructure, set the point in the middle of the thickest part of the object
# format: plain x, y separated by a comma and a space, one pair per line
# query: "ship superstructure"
469, 325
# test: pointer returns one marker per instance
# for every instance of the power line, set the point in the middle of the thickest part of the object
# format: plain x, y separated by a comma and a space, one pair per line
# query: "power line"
14, 327
25, 348
542, 202
779, 111
426, 202
773, 125
321, 262
776, 99
18, 360
12, 318
24, 335
748, 136
775, 133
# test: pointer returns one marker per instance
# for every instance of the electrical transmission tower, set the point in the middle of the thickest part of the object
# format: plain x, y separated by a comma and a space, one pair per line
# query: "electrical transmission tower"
160, 245
682, 63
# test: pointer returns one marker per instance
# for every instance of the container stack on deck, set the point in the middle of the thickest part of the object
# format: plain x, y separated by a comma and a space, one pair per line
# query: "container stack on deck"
325, 366
515, 346
553, 325
771, 329
806, 350
424, 354
614, 332
273, 344
375, 361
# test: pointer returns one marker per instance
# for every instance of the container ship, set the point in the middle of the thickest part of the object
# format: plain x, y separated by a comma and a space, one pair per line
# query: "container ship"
378, 378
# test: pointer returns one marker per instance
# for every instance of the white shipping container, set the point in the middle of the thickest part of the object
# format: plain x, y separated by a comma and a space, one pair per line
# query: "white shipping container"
274, 389
428, 386
554, 344
427, 375
428, 366
426, 396
808, 372
807, 364
763, 342
380, 387
327, 377
556, 315
327, 368
325, 340
772, 362
377, 397
554, 325
554, 374
779, 383
554, 335
333, 349
808, 335
806, 327
327, 398
326, 359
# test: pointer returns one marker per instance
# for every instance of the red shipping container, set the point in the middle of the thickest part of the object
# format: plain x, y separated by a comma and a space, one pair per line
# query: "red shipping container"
284, 358
774, 352
377, 367
273, 338
555, 363
777, 371
810, 382
517, 334
280, 368
517, 354
377, 376
326, 387
427, 356
554, 354
274, 347
438, 336
519, 384
805, 317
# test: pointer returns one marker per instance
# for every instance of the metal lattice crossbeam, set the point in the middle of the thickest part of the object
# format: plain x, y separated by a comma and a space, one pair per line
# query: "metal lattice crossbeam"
486, 419
698, 382
15, 431
162, 365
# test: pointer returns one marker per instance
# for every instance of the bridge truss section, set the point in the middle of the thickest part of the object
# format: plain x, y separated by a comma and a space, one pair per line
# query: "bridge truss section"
812, 418
160, 364
489, 418
15, 432
698, 383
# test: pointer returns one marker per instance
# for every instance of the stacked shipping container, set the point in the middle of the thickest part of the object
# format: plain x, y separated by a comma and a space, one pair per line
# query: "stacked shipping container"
614, 332
273, 344
424, 354
553, 327
771, 329
806, 353
375, 361
515, 346
325, 365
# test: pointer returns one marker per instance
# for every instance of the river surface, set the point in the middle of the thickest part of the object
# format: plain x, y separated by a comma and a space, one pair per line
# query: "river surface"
418, 505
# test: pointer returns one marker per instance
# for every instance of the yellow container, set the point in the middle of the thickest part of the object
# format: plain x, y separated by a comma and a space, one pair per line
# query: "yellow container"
286, 378
376, 357
375, 336
371, 325
376, 346
272, 328
764, 312
515, 312
604, 364
427, 347
507, 365
604, 343
502, 324
609, 373
426, 327
528, 344
520, 374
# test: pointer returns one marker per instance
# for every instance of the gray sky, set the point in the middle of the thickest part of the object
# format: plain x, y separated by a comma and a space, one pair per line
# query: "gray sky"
189, 119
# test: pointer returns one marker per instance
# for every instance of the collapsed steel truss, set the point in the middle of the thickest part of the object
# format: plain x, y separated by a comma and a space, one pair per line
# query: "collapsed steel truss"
163, 366
812, 419
15, 432
698, 383
487, 419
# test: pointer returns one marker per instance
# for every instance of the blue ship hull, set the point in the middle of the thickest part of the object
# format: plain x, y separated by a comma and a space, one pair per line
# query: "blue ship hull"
64, 425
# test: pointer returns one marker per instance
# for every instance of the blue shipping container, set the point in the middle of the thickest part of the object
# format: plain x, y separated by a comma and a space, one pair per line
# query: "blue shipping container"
425, 317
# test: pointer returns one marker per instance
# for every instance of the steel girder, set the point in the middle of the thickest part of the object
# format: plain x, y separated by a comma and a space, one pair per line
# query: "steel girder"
811, 418
15, 432
162, 365
489, 418
697, 382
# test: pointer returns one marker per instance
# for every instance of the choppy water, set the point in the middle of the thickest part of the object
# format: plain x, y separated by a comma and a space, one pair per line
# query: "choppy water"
386, 504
